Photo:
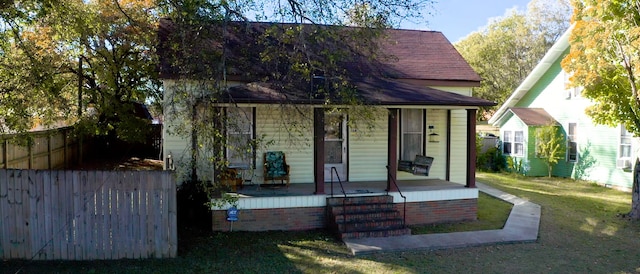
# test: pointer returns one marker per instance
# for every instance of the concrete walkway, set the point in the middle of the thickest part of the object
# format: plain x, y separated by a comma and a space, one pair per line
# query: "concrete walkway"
522, 226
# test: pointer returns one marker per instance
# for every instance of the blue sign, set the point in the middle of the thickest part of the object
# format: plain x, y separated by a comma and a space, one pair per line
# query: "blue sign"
232, 214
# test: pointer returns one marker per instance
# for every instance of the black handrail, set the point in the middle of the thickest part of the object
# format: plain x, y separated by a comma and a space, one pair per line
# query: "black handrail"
334, 170
393, 180
344, 214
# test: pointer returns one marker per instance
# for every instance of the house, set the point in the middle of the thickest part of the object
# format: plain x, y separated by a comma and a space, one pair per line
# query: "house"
418, 100
596, 153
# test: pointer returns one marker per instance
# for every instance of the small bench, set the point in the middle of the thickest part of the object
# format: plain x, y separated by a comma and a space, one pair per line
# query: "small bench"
419, 166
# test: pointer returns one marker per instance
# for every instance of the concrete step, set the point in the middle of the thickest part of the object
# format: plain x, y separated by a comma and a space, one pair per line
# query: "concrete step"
374, 234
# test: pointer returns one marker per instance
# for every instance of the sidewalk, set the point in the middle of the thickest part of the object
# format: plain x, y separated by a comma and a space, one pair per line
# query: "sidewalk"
522, 226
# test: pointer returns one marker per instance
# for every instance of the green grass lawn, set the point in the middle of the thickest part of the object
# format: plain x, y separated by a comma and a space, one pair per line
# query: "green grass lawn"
580, 232
492, 214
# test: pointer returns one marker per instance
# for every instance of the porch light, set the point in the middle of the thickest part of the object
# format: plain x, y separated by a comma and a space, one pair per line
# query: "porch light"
433, 136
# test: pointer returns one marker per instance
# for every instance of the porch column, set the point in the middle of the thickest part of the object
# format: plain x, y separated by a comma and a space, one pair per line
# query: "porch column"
318, 152
392, 149
471, 148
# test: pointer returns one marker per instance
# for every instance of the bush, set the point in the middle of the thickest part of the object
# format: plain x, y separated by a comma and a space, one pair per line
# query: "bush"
492, 160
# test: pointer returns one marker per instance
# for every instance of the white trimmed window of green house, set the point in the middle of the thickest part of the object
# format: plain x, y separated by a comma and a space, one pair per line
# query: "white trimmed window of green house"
625, 143
570, 92
240, 133
572, 142
513, 142
412, 141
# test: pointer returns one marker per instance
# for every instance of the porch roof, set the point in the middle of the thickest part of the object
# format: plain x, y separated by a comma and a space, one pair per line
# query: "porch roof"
372, 91
533, 116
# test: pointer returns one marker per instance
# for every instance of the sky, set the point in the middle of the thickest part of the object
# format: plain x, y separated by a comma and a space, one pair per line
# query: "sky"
458, 18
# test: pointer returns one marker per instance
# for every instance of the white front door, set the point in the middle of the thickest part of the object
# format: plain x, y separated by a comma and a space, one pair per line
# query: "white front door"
335, 147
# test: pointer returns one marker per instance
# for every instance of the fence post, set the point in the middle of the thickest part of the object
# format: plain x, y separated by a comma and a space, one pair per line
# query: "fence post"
49, 151
5, 153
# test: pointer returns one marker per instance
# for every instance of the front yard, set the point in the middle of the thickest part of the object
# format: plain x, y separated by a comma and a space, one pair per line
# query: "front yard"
580, 232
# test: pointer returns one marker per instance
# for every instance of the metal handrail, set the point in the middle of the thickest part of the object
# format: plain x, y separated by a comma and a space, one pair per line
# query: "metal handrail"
334, 170
404, 213
344, 205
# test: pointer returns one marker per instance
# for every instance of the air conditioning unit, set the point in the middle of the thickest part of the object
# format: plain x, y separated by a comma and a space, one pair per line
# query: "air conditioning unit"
623, 163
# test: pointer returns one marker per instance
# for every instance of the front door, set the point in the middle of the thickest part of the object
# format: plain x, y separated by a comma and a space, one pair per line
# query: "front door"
335, 147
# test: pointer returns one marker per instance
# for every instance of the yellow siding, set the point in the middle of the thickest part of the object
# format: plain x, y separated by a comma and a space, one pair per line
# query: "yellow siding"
368, 151
437, 150
467, 91
288, 130
459, 146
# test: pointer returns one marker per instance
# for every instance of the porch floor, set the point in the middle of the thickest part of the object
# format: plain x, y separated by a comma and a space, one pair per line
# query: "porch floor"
351, 188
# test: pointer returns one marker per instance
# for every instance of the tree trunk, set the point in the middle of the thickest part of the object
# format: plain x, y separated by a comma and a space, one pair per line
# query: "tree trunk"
635, 200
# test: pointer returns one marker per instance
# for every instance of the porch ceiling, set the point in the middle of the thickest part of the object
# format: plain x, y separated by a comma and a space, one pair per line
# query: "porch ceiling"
373, 91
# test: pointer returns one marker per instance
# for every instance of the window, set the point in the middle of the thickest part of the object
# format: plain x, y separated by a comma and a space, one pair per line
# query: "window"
625, 143
240, 131
506, 142
518, 143
572, 142
513, 142
412, 131
570, 92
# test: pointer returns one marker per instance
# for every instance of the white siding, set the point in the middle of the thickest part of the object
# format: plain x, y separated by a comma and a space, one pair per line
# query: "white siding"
288, 130
467, 91
437, 150
368, 151
458, 146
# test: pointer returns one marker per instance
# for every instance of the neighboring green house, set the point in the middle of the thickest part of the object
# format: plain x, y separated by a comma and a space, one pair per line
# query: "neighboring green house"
596, 153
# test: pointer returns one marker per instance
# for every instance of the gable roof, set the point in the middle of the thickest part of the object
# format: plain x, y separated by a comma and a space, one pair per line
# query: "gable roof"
533, 116
372, 91
380, 78
555, 52
403, 54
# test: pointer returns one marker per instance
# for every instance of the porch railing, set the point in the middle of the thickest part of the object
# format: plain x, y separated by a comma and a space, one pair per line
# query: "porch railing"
404, 209
344, 193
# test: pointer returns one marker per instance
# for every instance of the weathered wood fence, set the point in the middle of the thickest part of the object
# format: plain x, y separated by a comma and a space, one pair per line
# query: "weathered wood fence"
50, 149
87, 215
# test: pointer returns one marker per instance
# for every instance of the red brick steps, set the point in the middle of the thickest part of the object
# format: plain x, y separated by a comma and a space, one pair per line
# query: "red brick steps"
364, 217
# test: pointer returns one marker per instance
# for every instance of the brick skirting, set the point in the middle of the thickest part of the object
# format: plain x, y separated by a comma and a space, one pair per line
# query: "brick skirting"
434, 212
307, 218
301, 218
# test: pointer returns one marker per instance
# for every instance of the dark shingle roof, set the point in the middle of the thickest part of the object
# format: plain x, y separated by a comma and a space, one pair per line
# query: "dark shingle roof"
533, 116
425, 55
378, 77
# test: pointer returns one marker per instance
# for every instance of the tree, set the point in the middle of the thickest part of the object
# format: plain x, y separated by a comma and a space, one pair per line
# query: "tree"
604, 60
65, 56
508, 48
550, 145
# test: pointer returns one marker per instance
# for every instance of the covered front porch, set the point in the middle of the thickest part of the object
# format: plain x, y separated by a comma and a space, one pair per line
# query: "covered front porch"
277, 207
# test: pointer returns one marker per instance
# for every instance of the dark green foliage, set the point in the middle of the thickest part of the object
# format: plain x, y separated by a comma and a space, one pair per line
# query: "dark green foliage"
492, 160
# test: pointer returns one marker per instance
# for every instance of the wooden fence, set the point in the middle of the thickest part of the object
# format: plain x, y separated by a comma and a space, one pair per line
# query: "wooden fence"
50, 149
87, 215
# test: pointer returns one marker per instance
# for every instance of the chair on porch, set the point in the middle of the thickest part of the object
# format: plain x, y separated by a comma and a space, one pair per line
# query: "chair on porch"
419, 166
276, 167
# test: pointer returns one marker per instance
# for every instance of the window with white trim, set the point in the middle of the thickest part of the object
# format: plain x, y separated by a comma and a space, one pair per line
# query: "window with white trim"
572, 142
507, 140
625, 143
240, 134
571, 92
513, 142
412, 133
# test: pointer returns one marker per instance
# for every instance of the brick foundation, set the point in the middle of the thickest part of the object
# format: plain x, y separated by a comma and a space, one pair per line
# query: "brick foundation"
420, 213
301, 218
307, 218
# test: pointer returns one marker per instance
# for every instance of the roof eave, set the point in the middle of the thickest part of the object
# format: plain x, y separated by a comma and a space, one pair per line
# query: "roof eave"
538, 71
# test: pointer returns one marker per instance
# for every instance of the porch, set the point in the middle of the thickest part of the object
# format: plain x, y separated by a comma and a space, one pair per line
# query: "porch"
298, 208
